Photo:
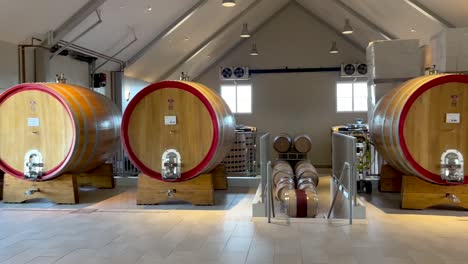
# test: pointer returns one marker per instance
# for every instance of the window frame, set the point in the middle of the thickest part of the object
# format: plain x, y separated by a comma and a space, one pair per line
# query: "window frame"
236, 84
352, 82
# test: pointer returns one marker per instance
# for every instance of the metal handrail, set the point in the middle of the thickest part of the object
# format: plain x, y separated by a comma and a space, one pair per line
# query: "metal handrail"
351, 196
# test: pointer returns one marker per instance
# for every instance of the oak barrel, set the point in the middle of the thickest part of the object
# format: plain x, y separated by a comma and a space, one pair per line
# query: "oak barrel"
301, 203
283, 186
409, 127
282, 169
69, 128
304, 169
282, 143
184, 116
302, 143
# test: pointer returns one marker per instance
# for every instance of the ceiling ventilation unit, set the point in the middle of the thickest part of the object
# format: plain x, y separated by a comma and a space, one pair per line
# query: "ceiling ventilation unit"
233, 73
354, 70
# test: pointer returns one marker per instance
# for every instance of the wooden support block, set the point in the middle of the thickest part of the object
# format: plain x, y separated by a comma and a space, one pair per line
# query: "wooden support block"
198, 191
61, 190
420, 194
101, 177
390, 179
219, 178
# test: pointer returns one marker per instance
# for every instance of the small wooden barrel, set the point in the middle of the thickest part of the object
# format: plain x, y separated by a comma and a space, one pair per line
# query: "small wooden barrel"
301, 203
302, 143
306, 184
177, 116
304, 169
282, 143
283, 186
410, 127
281, 169
71, 129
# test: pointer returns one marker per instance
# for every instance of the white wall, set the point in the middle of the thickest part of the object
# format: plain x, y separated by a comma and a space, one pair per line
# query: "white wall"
131, 86
76, 72
8, 65
293, 102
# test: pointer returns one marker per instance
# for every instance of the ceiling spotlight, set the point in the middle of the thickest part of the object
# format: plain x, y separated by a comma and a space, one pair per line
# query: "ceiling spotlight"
254, 51
229, 3
413, 30
245, 31
334, 49
348, 29
149, 8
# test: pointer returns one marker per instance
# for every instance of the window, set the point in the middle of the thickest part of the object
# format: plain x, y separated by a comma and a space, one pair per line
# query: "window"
351, 97
238, 97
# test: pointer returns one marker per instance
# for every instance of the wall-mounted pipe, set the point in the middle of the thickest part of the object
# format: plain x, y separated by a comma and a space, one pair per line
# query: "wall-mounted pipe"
118, 52
93, 53
79, 36
294, 70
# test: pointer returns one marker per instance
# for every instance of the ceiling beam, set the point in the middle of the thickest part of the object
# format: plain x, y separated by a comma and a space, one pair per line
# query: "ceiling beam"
242, 40
79, 16
208, 41
330, 27
366, 21
167, 31
429, 13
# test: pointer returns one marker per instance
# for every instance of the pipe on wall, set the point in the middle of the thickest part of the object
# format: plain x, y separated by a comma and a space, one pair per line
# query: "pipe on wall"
293, 70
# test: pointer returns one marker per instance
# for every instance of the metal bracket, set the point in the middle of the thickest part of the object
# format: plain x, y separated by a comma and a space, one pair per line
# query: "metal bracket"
171, 165
451, 166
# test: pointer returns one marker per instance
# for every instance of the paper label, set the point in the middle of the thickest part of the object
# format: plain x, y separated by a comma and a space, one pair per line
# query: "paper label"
33, 121
452, 118
170, 120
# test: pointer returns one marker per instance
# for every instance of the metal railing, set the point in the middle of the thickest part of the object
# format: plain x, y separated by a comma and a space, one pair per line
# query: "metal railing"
265, 153
122, 166
344, 171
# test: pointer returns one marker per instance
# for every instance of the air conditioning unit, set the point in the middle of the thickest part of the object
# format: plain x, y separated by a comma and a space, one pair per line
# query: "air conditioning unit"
353, 70
234, 73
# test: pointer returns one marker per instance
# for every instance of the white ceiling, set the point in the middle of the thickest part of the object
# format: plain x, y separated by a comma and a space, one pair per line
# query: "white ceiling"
211, 23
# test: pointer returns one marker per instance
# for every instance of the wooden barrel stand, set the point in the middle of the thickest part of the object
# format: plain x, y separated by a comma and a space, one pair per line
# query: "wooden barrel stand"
197, 191
420, 194
390, 179
61, 190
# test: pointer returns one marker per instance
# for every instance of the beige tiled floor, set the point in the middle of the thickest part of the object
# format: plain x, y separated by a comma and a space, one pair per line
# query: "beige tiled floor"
117, 231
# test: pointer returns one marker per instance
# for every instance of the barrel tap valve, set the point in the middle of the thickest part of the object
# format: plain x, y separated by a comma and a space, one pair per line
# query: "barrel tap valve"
451, 166
452, 197
171, 165
32, 191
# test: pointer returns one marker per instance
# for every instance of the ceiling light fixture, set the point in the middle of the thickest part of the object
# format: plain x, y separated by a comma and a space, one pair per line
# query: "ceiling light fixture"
348, 29
413, 30
334, 49
229, 3
245, 31
254, 51
149, 8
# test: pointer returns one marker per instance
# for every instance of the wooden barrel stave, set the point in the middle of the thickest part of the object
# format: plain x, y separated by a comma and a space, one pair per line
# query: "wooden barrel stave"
282, 169
94, 118
304, 169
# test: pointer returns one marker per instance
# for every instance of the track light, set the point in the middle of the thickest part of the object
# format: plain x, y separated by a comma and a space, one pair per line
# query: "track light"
334, 49
245, 31
229, 3
348, 29
254, 51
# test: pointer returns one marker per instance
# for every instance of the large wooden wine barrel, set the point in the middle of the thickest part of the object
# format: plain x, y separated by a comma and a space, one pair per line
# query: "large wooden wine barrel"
302, 143
70, 129
282, 143
409, 126
184, 116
